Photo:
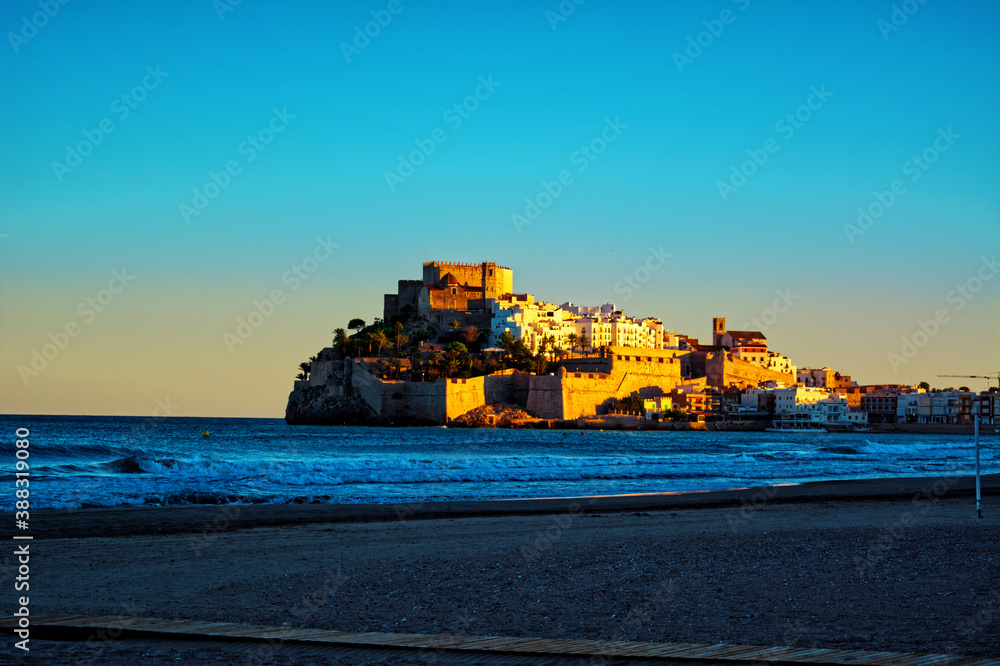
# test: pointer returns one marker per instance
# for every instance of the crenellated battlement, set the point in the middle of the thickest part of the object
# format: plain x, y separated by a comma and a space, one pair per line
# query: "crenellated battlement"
466, 264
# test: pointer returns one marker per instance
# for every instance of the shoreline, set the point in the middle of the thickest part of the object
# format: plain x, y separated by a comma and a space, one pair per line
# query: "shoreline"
887, 564
642, 425
213, 518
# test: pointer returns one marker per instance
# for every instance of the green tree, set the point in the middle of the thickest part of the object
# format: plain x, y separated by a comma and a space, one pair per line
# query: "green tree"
573, 339
506, 341
402, 339
455, 349
356, 324
632, 404
924, 385
380, 340
340, 339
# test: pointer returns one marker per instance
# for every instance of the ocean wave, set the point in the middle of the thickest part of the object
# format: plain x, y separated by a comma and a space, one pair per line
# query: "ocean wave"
419, 470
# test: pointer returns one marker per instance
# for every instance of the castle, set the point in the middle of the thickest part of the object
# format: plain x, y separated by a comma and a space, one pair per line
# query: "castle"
450, 286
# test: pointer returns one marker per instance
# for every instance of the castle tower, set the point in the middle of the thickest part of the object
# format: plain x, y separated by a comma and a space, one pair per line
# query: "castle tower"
718, 329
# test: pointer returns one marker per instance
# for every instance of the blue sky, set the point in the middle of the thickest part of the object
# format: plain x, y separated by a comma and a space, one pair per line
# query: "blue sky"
554, 90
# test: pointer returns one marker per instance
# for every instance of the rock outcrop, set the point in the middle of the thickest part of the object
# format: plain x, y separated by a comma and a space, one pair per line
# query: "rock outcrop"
498, 415
314, 405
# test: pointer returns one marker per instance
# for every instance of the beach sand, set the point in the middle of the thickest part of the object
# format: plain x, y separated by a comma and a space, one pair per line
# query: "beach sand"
898, 564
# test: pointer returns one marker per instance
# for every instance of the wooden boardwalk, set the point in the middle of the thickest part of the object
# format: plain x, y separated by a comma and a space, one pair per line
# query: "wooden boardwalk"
80, 627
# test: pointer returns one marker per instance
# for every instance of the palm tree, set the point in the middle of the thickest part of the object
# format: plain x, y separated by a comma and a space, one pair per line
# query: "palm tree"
402, 339
380, 340
454, 325
583, 341
573, 339
301, 377
397, 365
340, 339
306, 368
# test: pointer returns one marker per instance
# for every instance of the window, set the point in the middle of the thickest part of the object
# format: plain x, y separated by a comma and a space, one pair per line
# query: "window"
454, 290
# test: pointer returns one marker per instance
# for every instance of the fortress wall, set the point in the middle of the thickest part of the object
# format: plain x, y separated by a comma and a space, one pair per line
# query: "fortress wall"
321, 371
545, 396
569, 395
471, 275
409, 294
723, 370
589, 393
504, 282
462, 395
390, 306
425, 400
468, 274
522, 381
501, 387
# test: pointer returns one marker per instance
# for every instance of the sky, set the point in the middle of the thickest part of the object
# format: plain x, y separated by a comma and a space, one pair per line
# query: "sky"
170, 169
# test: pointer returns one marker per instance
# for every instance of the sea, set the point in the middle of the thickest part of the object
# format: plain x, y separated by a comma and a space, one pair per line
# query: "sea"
90, 461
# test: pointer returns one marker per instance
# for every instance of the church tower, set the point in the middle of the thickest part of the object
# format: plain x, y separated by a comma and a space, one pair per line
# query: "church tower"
718, 330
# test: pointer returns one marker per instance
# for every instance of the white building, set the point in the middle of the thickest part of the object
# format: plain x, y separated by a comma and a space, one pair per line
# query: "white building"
532, 321
787, 400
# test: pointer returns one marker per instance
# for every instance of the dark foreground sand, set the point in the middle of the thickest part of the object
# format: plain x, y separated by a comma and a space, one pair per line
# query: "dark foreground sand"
899, 565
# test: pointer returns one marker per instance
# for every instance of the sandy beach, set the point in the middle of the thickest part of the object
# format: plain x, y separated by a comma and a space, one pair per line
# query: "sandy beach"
893, 564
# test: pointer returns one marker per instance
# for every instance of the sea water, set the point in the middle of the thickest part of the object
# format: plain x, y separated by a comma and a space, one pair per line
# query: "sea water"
85, 461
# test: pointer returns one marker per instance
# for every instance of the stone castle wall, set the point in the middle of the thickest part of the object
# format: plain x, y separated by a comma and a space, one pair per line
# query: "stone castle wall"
722, 370
437, 402
569, 395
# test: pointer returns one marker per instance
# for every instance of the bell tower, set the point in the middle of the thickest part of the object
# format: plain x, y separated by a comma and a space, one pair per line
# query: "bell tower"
718, 329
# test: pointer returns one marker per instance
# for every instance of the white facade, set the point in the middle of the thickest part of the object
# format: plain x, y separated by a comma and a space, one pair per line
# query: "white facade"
603, 326
788, 400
